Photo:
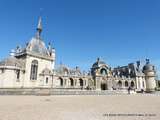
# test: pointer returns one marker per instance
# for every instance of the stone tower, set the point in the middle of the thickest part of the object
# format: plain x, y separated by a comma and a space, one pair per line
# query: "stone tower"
150, 74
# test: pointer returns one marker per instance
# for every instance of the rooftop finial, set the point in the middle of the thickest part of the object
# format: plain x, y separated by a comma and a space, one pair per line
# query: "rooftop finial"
98, 59
147, 61
39, 27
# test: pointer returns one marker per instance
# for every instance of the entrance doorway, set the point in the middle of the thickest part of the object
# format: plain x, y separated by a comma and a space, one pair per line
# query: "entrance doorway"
81, 82
103, 86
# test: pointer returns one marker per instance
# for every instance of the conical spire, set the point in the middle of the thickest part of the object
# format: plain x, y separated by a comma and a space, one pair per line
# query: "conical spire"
39, 27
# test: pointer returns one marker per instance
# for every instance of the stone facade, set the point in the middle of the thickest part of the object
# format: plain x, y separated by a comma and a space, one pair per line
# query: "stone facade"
33, 67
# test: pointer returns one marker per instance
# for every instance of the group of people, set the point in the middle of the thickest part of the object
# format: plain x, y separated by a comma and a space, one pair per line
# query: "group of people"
130, 88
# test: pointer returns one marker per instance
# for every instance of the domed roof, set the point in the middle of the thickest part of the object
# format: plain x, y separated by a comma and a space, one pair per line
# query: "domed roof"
12, 61
36, 45
98, 63
148, 66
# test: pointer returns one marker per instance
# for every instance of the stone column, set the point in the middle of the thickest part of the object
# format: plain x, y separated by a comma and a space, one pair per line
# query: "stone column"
98, 83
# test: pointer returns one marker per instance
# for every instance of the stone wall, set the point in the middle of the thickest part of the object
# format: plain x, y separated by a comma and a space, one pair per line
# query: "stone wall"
43, 91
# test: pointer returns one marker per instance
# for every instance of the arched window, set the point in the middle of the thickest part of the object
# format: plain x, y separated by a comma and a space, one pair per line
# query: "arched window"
65, 71
103, 71
34, 70
126, 83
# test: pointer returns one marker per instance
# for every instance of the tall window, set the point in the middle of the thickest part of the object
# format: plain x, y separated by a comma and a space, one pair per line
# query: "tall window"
46, 80
34, 70
18, 74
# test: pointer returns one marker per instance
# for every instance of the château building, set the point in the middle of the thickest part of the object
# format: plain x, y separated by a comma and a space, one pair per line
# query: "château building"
34, 67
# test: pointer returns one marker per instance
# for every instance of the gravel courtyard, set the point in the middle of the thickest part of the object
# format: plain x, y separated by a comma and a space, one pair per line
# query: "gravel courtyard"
109, 107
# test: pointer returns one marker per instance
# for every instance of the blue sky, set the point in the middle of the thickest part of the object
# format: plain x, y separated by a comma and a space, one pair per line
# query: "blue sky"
117, 31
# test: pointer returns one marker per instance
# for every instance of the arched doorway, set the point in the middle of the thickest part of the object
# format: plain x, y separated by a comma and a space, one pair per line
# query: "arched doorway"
119, 84
132, 84
158, 83
71, 82
81, 82
46, 80
126, 83
103, 86
61, 81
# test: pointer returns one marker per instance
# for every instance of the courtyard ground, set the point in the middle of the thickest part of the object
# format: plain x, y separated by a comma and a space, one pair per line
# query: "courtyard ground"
109, 107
